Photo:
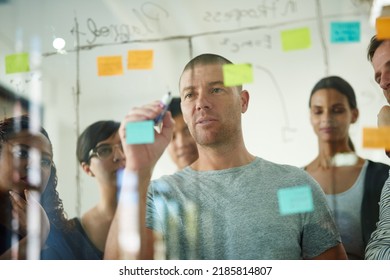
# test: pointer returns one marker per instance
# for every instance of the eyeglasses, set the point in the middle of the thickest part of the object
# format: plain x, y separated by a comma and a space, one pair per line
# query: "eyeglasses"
26, 153
104, 151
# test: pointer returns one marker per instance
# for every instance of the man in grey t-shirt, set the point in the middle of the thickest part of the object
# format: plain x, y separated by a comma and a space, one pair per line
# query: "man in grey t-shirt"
224, 205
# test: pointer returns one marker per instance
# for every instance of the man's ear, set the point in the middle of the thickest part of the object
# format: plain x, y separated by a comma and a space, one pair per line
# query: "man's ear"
244, 95
87, 169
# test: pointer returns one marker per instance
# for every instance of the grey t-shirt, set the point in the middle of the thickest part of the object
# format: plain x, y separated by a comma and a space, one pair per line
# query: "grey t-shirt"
234, 214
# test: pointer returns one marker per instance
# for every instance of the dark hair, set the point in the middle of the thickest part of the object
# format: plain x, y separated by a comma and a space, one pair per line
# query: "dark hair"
50, 200
372, 47
342, 86
10, 126
92, 135
338, 84
207, 59
174, 107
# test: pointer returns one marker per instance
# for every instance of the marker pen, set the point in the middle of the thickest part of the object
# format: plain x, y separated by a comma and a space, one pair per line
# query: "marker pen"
165, 101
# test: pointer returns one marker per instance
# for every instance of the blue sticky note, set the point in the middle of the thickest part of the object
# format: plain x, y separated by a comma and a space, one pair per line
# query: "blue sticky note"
293, 200
345, 32
140, 132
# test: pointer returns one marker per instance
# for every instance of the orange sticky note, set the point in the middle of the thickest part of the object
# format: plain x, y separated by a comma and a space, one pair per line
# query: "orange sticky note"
140, 59
110, 65
376, 137
382, 28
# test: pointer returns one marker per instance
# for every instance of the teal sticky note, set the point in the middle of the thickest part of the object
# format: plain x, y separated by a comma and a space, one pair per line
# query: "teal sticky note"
296, 39
345, 32
140, 132
293, 200
16, 63
237, 74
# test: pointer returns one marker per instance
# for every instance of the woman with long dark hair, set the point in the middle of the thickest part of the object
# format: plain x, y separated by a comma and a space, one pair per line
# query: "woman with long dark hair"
352, 184
26, 168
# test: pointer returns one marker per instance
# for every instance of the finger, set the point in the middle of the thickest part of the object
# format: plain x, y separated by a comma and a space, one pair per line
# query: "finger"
145, 112
17, 200
384, 116
168, 121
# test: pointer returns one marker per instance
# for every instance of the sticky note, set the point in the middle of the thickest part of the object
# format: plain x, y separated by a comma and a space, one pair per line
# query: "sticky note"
382, 27
140, 59
17, 63
295, 39
293, 200
376, 137
110, 65
237, 74
345, 32
140, 132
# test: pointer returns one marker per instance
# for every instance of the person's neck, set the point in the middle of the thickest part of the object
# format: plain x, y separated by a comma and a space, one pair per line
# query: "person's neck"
222, 157
108, 200
327, 151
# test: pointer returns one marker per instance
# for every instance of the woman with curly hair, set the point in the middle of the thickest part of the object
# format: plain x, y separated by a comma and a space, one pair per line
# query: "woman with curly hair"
27, 168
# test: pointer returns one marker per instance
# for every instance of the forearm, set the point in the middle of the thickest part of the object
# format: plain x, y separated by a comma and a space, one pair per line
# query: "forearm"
147, 238
114, 248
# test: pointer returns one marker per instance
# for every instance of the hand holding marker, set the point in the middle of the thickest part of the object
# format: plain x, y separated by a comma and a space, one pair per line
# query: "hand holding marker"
165, 101
142, 132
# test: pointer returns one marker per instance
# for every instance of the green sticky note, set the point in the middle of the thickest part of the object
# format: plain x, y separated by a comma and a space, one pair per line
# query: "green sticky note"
16, 63
296, 39
140, 132
237, 74
293, 200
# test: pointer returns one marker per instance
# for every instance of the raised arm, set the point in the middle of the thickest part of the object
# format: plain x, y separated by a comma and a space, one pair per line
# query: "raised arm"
140, 160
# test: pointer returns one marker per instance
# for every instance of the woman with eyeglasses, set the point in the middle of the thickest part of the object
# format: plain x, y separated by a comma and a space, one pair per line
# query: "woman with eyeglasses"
100, 154
26, 171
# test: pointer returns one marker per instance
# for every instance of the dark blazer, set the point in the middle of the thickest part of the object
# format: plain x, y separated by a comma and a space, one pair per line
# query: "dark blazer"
376, 176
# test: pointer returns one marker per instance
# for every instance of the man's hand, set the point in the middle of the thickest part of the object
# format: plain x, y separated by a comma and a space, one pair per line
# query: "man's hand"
384, 116
144, 156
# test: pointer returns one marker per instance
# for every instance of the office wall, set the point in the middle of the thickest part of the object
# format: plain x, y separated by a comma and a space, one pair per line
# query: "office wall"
276, 126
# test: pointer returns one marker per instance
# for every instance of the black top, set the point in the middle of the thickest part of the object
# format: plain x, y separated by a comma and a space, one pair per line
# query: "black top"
376, 176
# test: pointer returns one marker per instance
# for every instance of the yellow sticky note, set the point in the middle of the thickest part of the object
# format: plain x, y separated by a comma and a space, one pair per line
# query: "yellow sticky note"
140, 59
110, 65
16, 63
376, 137
237, 74
382, 28
295, 39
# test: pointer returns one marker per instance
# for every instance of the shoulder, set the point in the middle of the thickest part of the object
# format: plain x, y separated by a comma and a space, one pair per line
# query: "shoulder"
377, 169
286, 175
376, 175
282, 168
378, 165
